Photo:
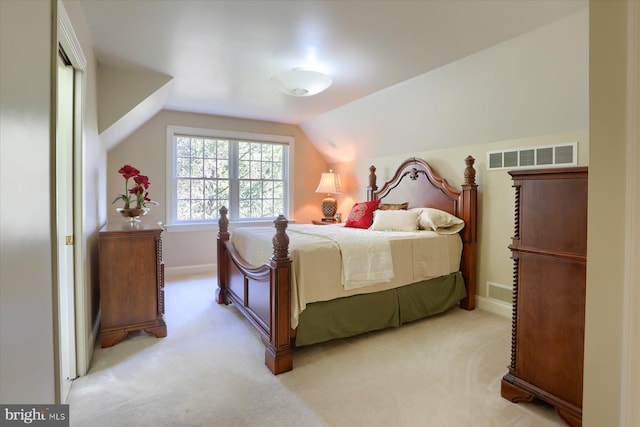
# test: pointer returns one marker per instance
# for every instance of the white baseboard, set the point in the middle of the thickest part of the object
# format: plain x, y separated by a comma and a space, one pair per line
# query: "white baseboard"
495, 306
190, 270
95, 333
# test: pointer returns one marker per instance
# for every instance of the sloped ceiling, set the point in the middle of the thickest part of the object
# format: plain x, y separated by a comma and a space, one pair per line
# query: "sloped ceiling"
535, 84
128, 98
222, 54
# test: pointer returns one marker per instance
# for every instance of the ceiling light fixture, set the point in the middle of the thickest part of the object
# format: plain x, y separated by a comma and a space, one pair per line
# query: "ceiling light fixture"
301, 82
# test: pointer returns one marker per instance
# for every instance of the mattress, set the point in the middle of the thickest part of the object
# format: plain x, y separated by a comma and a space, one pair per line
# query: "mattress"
317, 259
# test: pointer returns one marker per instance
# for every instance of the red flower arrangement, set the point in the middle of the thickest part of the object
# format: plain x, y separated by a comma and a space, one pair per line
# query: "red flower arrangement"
138, 193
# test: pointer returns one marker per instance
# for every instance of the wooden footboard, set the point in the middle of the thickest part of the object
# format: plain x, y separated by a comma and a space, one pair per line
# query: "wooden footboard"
262, 293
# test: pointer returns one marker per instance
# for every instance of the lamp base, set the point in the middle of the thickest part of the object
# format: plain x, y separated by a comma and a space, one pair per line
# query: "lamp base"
329, 208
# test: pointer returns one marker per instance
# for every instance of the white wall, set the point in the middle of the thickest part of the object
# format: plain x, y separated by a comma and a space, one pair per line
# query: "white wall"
611, 380
535, 84
27, 359
26, 275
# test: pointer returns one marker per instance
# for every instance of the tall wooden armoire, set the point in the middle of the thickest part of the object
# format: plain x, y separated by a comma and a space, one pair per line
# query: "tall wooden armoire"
549, 252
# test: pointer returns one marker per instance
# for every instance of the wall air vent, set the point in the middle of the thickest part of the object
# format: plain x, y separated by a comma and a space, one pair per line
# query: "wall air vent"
534, 157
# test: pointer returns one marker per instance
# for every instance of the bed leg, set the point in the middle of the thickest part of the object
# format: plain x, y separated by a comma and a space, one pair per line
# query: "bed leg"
221, 290
468, 268
278, 355
278, 361
221, 297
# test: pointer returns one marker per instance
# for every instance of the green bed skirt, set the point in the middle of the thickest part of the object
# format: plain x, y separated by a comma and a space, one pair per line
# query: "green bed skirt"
349, 316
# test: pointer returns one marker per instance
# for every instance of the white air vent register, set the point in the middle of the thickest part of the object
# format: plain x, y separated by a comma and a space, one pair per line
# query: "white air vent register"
534, 157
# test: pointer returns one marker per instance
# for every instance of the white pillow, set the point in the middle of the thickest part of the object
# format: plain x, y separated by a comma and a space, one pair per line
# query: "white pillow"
438, 221
395, 220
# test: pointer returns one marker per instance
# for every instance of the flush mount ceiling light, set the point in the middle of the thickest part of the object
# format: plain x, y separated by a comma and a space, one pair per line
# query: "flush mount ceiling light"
301, 82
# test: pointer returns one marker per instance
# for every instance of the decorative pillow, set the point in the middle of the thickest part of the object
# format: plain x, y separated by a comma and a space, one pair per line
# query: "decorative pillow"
439, 221
361, 214
395, 220
393, 206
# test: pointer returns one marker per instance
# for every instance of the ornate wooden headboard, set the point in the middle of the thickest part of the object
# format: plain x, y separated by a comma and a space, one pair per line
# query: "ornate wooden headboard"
417, 183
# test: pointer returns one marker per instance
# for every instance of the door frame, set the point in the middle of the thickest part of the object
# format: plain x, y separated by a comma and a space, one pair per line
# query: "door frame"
630, 375
67, 40
65, 256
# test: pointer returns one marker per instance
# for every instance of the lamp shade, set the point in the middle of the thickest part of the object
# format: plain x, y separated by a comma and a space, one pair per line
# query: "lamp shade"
329, 183
301, 82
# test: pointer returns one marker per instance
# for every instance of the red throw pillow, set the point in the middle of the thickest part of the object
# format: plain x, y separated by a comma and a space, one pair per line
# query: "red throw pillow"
361, 214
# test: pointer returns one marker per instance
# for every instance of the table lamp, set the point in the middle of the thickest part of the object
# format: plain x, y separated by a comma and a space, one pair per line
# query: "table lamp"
329, 184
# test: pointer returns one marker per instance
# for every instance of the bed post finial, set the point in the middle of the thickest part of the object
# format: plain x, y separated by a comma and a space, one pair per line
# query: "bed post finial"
280, 240
372, 187
223, 224
469, 171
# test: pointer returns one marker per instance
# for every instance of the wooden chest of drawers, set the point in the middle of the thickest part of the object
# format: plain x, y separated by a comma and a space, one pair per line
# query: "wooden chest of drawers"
131, 281
549, 250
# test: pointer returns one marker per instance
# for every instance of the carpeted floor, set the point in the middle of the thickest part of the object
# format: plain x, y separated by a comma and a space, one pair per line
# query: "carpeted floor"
209, 371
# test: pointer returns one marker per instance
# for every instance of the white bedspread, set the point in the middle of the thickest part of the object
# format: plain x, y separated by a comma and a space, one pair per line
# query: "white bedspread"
318, 258
366, 256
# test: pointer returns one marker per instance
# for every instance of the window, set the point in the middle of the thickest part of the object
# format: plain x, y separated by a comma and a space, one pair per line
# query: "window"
207, 169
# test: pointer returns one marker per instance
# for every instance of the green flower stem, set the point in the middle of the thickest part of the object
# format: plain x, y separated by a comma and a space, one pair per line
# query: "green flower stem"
126, 193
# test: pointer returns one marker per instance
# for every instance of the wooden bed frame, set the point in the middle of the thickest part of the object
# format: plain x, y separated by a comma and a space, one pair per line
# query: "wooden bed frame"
262, 294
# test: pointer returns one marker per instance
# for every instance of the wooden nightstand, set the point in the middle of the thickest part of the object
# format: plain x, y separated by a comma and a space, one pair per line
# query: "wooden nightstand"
131, 281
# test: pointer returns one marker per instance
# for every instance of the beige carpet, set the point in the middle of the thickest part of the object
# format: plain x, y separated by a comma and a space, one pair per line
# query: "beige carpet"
209, 371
